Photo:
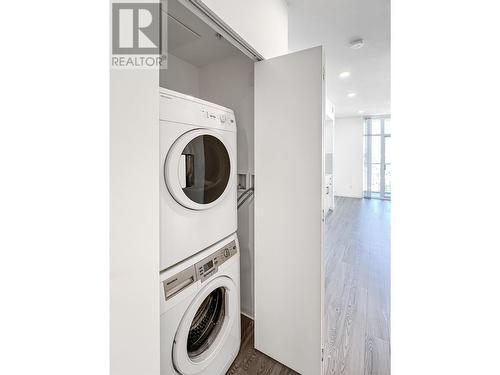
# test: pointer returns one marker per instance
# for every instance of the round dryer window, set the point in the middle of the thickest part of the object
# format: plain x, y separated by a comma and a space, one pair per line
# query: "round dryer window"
198, 169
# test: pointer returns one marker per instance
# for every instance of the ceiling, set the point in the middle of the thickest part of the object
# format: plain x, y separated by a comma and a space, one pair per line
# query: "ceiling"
333, 24
191, 39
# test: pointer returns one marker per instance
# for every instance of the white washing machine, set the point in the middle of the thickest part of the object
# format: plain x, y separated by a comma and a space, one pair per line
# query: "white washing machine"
198, 175
200, 312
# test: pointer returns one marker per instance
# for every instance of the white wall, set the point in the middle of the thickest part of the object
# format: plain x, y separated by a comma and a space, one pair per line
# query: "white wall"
348, 157
230, 83
180, 76
328, 145
134, 227
261, 23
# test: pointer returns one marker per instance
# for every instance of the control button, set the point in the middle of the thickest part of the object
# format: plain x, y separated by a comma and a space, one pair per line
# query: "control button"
226, 252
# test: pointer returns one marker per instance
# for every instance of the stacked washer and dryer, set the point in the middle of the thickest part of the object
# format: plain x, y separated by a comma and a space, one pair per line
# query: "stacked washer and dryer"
200, 257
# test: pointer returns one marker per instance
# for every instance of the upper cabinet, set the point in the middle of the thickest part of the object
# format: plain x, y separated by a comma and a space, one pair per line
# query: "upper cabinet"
263, 24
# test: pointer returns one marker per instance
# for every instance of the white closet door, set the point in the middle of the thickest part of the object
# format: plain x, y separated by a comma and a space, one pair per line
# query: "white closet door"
289, 173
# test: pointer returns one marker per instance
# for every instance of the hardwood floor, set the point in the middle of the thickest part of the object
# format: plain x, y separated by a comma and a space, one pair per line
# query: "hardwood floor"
357, 316
250, 360
357, 302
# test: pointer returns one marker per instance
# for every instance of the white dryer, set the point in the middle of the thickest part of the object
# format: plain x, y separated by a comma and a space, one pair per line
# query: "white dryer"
200, 312
198, 175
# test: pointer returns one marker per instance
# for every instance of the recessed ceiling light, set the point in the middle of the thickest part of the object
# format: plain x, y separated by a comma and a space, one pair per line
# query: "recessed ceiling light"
361, 111
357, 43
344, 74
351, 95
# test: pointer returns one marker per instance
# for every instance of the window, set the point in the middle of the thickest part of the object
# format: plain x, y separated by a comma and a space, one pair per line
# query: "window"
377, 155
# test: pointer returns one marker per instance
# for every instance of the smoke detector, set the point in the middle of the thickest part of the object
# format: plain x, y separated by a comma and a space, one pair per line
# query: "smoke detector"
357, 43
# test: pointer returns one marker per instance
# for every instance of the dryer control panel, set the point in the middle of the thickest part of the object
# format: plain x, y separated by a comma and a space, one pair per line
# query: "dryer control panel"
185, 109
217, 117
208, 266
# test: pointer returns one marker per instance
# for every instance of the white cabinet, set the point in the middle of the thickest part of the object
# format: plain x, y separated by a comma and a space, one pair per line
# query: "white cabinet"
328, 144
328, 192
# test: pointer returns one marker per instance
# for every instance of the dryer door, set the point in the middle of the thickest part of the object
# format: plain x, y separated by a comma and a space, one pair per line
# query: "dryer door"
206, 328
198, 169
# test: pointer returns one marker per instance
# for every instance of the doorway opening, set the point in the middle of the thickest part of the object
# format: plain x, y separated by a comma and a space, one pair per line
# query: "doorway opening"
377, 156
207, 62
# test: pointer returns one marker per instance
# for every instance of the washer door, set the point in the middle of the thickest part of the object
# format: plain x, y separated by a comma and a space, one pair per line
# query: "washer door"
198, 169
205, 326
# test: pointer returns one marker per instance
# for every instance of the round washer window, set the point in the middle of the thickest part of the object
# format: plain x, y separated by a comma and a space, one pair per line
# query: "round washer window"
207, 169
207, 323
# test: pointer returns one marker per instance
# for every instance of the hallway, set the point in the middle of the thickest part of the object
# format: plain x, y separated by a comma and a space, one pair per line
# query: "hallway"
357, 326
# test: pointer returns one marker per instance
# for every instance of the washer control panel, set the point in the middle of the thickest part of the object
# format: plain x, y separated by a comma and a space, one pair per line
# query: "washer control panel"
179, 282
200, 271
208, 266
